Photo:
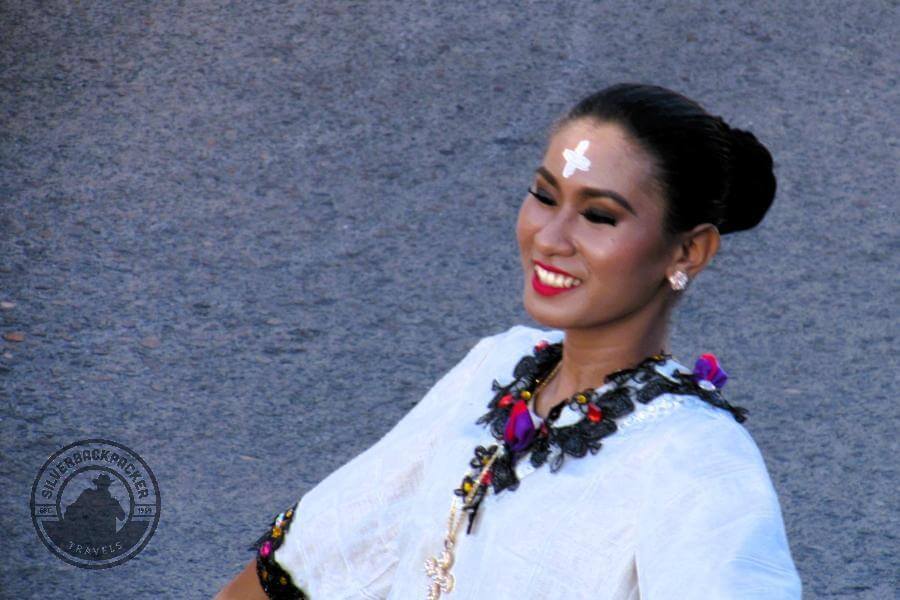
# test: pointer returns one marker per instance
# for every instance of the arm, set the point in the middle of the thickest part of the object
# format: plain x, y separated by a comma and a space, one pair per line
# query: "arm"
245, 586
711, 525
342, 538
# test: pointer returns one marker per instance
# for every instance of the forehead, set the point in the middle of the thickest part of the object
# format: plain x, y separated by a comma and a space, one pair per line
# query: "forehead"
615, 162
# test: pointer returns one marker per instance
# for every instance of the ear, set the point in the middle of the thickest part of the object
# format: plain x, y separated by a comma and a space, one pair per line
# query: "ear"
695, 250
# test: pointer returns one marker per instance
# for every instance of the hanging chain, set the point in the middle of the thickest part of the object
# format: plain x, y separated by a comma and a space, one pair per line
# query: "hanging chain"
438, 567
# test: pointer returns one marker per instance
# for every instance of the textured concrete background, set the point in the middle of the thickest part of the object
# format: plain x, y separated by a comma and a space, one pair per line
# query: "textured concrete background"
245, 238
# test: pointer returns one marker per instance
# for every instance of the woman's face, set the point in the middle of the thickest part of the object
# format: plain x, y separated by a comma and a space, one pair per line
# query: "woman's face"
615, 256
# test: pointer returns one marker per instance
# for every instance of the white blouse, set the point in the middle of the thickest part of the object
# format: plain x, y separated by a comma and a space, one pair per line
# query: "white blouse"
676, 504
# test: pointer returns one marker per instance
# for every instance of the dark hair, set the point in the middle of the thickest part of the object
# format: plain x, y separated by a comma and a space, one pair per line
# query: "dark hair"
708, 171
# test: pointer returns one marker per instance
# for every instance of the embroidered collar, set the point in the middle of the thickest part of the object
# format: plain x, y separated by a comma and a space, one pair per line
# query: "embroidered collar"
575, 425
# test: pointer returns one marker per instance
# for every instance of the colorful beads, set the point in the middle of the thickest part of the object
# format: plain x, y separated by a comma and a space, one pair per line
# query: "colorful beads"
525, 395
505, 401
594, 414
541, 345
580, 398
276, 583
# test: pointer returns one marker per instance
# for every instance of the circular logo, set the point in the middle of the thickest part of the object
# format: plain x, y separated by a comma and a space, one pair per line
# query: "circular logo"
95, 504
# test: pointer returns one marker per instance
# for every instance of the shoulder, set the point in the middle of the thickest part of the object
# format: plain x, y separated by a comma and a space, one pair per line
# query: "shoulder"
698, 448
494, 357
500, 352
512, 342
707, 504
699, 427
524, 336
682, 414
689, 429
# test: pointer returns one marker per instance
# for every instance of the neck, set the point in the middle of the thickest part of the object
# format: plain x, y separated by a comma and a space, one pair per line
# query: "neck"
590, 354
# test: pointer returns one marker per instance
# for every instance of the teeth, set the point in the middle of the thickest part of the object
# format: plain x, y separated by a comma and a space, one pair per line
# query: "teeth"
555, 279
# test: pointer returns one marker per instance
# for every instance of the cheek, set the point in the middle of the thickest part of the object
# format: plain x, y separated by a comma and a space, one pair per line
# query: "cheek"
621, 255
525, 226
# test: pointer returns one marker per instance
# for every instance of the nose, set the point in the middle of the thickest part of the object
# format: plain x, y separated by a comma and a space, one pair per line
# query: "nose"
554, 236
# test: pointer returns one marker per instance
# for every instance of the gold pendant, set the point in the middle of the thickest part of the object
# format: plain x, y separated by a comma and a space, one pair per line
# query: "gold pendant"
438, 567
439, 571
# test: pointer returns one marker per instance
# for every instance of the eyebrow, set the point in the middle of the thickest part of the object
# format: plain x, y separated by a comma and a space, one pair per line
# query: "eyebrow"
589, 192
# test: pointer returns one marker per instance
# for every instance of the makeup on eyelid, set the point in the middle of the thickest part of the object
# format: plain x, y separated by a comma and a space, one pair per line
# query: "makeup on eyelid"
591, 215
588, 192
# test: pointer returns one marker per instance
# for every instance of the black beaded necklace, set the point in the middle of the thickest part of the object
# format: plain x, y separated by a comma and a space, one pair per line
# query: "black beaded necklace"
509, 422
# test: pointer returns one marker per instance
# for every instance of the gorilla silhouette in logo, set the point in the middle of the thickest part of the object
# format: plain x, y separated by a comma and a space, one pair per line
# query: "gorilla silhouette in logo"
92, 516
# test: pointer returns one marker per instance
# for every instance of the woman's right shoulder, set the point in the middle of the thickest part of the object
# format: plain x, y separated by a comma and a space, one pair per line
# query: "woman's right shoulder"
496, 355
493, 358
522, 337
509, 345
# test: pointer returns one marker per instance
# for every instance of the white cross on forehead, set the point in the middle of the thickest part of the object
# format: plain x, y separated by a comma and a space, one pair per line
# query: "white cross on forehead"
575, 159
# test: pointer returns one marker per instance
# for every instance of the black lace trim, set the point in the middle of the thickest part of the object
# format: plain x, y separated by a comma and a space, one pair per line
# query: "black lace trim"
576, 440
275, 581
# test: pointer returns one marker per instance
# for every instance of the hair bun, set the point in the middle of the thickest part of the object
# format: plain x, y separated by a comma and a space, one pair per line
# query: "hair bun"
752, 186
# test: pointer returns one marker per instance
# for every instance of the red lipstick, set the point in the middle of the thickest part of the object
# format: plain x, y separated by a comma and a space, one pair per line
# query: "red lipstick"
553, 269
547, 290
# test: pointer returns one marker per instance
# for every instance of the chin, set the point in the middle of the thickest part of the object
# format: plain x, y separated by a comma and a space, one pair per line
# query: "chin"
551, 322
549, 319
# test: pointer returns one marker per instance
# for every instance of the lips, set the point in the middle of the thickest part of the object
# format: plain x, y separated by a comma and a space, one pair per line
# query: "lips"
549, 281
553, 269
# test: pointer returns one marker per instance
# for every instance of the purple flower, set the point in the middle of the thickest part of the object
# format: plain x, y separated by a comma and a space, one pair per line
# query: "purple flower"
707, 369
519, 427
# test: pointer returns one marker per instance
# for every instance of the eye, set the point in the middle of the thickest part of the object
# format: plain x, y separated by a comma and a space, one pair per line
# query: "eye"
542, 198
591, 215
596, 217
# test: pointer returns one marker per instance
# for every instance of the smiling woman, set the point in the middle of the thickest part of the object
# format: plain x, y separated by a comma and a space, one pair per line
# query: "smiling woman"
627, 205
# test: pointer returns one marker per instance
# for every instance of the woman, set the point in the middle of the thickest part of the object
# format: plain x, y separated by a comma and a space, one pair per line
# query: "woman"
497, 484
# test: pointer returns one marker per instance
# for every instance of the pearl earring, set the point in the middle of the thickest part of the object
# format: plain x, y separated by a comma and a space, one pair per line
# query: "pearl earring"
679, 280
